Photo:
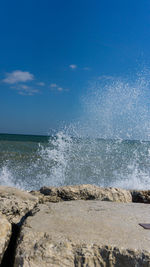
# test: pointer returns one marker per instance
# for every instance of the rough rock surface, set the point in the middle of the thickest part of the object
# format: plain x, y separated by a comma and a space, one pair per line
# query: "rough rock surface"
5, 234
85, 233
15, 203
84, 192
141, 196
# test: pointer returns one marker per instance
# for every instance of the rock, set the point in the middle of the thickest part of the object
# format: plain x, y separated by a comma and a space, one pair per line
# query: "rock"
5, 234
85, 234
141, 196
15, 203
84, 192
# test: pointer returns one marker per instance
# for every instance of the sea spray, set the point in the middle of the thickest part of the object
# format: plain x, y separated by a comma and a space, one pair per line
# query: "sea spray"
109, 145
7, 179
118, 163
116, 108
55, 157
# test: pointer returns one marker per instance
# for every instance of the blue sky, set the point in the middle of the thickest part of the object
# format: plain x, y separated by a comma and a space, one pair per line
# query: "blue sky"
51, 50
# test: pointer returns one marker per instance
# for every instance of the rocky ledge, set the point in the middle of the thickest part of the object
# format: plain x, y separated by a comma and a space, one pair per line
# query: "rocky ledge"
79, 226
82, 192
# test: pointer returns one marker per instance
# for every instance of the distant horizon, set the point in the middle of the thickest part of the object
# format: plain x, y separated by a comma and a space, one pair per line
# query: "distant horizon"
48, 136
23, 134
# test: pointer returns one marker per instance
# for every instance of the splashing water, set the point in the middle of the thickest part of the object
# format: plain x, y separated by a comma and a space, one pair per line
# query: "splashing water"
117, 109
109, 145
100, 148
55, 158
6, 178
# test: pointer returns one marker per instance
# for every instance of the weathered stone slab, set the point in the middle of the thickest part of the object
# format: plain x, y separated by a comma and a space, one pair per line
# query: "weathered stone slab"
5, 234
15, 203
84, 192
141, 196
85, 233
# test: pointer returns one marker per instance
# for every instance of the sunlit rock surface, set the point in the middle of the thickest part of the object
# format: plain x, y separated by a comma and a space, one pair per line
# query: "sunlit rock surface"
85, 233
84, 192
15, 203
5, 234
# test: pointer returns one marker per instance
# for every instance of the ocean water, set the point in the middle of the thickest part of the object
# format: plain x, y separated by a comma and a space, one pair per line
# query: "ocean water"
108, 144
29, 162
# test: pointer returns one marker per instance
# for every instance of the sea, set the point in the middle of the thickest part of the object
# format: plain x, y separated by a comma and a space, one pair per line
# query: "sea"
108, 144
29, 162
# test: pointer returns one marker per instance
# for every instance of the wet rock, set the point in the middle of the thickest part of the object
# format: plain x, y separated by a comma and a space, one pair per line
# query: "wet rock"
142, 196
15, 203
5, 234
84, 192
85, 233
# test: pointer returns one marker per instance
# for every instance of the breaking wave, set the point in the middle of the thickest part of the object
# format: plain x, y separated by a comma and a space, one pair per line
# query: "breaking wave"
109, 145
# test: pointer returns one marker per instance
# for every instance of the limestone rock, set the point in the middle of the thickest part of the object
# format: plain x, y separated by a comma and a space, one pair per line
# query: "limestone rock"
5, 234
85, 234
15, 203
142, 196
84, 192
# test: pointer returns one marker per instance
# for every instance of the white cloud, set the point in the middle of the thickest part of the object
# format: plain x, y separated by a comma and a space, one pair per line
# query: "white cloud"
31, 92
56, 87
23, 89
18, 76
60, 89
41, 84
86, 68
105, 77
53, 85
72, 66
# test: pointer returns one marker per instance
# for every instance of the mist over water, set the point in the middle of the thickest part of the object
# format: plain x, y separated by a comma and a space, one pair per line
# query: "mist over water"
110, 140
116, 108
109, 145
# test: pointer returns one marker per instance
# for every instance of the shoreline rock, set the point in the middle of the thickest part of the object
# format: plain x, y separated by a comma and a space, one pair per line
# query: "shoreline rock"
85, 233
5, 235
15, 203
74, 238
140, 196
82, 192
